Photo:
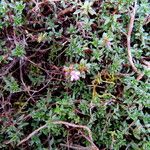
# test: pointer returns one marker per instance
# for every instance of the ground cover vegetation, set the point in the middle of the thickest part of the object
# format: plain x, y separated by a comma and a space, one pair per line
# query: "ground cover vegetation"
74, 74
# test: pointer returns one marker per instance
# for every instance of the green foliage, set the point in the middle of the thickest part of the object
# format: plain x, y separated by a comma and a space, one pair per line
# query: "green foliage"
18, 51
68, 61
11, 85
11, 12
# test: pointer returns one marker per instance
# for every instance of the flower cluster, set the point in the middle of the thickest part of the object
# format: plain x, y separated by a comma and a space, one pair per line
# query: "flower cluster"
75, 71
71, 73
75, 75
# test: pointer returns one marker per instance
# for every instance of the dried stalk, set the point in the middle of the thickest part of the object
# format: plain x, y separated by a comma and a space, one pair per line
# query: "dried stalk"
130, 28
60, 123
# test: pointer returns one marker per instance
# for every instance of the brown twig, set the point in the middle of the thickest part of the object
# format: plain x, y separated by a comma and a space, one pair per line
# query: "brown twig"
130, 28
32, 134
27, 59
5, 71
61, 123
27, 89
147, 19
76, 147
66, 11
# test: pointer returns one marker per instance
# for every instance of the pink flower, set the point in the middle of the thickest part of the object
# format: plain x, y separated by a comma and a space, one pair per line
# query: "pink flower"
75, 75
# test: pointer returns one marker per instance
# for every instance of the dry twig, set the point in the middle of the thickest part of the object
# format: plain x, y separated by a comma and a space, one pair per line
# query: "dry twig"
130, 28
65, 11
61, 123
76, 147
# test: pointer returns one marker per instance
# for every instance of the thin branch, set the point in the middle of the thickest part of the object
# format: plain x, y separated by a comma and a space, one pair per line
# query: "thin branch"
3, 73
24, 85
32, 134
130, 28
65, 11
75, 126
60, 123
76, 147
